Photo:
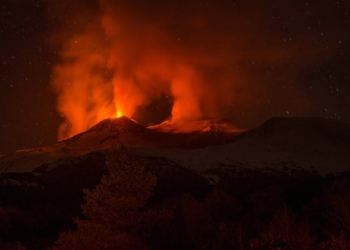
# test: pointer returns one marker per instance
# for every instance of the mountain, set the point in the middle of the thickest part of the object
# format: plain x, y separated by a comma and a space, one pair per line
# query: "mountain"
280, 144
104, 135
302, 133
208, 175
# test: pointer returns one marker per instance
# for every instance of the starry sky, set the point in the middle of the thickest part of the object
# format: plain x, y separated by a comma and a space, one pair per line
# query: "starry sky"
249, 61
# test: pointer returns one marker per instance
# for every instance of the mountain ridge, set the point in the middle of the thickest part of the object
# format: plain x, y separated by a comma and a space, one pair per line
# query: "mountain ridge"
309, 143
111, 132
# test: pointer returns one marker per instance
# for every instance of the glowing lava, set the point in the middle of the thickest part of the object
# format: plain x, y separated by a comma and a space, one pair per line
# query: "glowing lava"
119, 113
112, 67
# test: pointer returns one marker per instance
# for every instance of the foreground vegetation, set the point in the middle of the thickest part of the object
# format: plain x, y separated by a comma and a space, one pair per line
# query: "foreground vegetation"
136, 207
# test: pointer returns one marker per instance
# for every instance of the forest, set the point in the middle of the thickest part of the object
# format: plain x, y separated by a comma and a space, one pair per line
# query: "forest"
117, 200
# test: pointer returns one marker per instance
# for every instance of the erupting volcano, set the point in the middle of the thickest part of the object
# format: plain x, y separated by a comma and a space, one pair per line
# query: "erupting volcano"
121, 62
176, 124
117, 58
100, 75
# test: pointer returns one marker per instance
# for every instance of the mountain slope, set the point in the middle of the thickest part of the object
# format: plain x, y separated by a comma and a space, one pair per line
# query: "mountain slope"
186, 126
302, 134
283, 144
280, 144
104, 135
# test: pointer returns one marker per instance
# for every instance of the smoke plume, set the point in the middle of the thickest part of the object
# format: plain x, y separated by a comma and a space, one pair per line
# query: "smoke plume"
194, 59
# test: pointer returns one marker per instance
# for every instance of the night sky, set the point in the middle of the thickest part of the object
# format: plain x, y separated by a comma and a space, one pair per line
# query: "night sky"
246, 61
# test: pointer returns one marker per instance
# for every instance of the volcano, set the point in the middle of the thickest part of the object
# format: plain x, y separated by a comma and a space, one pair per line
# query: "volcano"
311, 144
115, 132
284, 160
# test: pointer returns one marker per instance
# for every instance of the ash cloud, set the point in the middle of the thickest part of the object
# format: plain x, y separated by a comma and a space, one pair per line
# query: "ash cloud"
212, 59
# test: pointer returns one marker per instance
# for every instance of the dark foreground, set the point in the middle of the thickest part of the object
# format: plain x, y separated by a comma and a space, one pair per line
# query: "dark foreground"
246, 209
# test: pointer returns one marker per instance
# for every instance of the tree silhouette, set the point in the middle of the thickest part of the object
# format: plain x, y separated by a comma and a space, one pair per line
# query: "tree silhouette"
116, 218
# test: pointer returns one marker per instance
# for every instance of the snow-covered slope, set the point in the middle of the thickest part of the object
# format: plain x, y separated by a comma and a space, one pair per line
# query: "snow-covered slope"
286, 144
104, 135
280, 144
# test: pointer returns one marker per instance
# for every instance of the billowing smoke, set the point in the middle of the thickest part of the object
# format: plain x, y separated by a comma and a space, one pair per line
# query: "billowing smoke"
203, 59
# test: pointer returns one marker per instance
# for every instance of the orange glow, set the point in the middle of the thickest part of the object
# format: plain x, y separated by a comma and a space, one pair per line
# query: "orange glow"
119, 114
113, 66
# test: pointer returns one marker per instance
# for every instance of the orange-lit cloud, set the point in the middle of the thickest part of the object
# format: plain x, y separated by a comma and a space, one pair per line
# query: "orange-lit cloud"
210, 58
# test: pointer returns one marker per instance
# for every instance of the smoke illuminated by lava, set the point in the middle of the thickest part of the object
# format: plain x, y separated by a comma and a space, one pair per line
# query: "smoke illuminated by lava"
118, 63
116, 58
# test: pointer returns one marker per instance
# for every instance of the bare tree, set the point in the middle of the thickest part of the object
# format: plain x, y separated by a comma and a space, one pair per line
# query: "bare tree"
284, 232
